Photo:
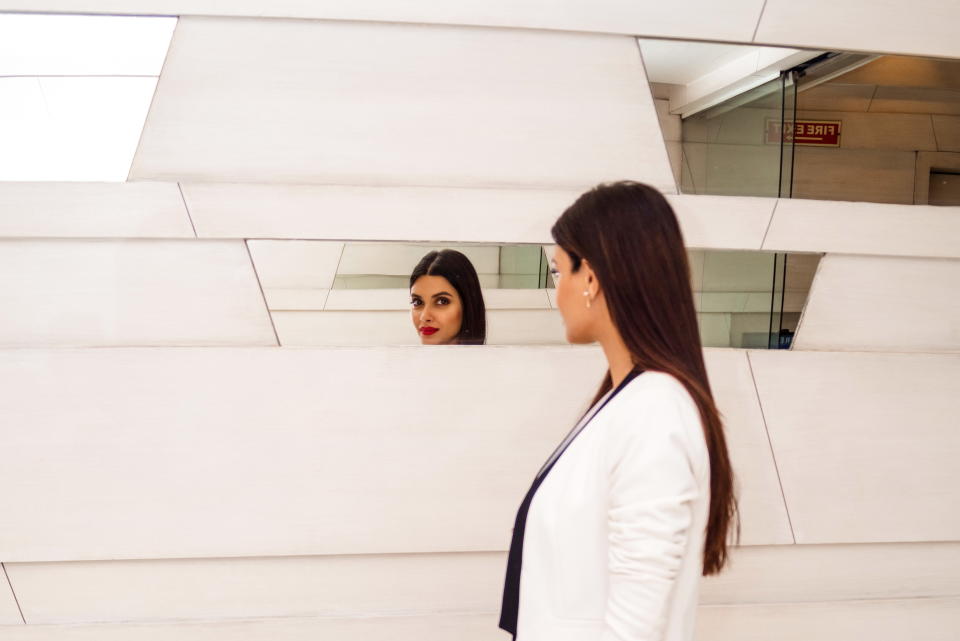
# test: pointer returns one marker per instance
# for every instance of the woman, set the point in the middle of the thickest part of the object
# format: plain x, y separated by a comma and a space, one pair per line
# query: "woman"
446, 304
636, 503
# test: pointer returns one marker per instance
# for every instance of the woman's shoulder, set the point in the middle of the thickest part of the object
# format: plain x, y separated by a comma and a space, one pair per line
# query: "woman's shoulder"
657, 410
661, 398
658, 387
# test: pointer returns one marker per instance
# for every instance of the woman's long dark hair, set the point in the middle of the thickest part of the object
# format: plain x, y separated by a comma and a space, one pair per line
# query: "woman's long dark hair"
458, 269
630, 236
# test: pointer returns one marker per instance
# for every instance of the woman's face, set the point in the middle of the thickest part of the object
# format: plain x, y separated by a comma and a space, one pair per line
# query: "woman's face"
436, 310
577, 317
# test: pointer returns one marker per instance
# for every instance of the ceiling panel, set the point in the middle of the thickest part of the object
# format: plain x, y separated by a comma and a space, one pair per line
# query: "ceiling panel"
734, 20
71, 45
361, 103
71, 128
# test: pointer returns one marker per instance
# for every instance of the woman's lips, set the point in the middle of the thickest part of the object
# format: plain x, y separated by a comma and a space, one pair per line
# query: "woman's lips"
428, 331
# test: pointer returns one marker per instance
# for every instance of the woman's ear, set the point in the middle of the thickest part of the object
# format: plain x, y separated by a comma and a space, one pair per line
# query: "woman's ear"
591, 283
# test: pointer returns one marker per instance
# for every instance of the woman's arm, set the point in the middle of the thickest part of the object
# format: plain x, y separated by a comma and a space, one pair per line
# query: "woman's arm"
652, 488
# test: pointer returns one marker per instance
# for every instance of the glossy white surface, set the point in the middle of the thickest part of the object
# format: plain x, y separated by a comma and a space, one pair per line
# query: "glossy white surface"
125, 210
864, 228
369, 585
811, 573
923, 27
130, 292
267, 451
722, 222
444, 214
883, 304
466, 627
877, 620
465, 106
379, 585
763, 514
375, 213
264, 451
9, 611
865, 443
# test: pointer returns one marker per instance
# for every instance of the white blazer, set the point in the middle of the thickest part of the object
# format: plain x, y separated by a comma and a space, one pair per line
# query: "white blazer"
613, 544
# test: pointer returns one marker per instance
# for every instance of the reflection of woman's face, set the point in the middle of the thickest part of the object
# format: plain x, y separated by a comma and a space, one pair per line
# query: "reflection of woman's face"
436, 310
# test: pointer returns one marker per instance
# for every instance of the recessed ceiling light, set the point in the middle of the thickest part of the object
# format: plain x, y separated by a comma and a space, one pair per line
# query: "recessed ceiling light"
74, 93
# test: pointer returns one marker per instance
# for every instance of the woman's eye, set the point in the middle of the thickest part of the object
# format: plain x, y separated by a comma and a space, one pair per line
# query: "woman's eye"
555, 273
415, 303
443, 301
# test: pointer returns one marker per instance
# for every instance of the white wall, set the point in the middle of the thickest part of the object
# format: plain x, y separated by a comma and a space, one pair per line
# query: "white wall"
170, 472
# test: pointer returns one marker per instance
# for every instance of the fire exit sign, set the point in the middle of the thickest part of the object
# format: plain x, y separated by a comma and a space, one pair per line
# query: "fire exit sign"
814, 133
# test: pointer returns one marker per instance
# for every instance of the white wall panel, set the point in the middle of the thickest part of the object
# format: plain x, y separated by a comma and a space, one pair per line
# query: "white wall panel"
9, 611
864, 228
882, 303
880, 620
381, 585
866, 444
371, 585
722, 222
441, 627
924, 27
140, 292
128, 210
442, 214
375, 213
809, 573
734, 21
267, 452
364, 103
762, 511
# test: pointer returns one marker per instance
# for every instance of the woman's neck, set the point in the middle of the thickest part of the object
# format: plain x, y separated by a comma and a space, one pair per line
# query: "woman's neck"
619, 358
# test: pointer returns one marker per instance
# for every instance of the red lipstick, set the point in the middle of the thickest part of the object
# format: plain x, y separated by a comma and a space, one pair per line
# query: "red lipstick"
428, 331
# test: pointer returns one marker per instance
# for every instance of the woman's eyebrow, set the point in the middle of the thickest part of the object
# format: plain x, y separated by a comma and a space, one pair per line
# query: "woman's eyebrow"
442, 294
